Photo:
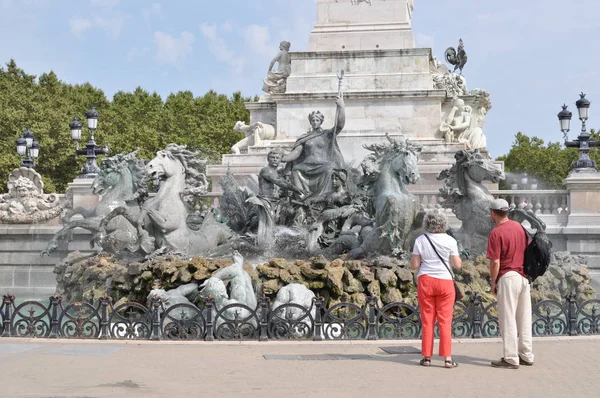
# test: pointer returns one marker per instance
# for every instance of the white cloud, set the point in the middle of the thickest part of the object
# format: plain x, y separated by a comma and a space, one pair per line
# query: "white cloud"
257, 40
79, 26
105, 3
219, 49
171, 49
153, 11
112, 26
217, 45
209, 31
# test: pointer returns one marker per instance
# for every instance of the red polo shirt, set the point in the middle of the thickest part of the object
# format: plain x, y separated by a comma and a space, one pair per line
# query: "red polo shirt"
507, 242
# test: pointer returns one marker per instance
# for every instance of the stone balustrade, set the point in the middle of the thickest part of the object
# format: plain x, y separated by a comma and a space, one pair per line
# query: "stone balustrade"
539, 202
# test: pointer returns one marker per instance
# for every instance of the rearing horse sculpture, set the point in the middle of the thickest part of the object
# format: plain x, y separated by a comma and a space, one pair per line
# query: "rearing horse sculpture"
470, 200
387, 172
182, 180
120, 183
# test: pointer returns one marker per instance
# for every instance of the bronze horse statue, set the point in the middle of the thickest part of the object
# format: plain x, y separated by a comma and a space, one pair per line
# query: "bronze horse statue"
121, 184
470, 200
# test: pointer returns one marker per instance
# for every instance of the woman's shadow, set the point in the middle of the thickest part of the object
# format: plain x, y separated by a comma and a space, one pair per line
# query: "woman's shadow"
414, 358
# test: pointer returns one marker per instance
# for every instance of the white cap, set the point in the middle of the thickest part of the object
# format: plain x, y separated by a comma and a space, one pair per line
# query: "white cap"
499, 204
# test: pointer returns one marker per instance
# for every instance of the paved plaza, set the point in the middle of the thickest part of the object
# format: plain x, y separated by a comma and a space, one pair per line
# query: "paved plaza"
564, 367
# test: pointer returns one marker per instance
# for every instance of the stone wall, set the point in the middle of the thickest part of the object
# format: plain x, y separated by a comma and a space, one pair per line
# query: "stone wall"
23, 271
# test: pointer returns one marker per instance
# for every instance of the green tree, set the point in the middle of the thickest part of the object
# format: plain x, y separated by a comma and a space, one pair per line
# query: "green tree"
130, 121
548, 163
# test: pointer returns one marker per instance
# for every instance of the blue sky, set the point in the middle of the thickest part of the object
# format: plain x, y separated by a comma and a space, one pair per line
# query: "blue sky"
531, 55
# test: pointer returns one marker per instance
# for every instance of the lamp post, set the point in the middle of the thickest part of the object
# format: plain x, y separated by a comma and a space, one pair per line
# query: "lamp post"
524, 180
91, 150
583, 142
28, 149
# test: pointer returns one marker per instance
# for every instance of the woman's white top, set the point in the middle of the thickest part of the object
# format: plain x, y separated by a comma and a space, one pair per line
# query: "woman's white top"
430, 262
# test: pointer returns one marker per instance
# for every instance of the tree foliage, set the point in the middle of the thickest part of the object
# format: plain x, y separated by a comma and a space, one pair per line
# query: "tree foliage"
131, 120
548, 163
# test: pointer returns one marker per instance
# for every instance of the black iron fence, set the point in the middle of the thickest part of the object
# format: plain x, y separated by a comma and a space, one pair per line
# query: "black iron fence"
342, 321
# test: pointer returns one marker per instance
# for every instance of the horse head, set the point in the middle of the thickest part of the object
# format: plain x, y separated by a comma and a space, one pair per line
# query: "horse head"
478, 168
119, 174
177, 160
164, 166
399, 157
404, 164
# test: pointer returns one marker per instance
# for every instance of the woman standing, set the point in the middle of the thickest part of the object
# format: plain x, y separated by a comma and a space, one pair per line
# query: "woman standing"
433, 253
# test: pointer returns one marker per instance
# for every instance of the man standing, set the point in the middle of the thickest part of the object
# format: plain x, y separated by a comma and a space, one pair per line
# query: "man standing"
506, 251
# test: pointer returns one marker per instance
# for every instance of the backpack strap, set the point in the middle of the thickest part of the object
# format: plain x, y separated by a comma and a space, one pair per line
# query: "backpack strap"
526, 235
440, 257
526, 246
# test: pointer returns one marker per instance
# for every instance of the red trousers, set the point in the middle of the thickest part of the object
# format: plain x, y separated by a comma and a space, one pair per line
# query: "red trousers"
436, 301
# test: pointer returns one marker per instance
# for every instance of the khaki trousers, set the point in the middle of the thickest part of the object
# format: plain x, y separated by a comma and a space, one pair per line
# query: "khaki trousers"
514, 316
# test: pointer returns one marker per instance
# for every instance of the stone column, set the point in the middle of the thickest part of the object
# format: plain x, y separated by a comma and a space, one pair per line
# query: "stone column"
344, 25
583, 227
82, 193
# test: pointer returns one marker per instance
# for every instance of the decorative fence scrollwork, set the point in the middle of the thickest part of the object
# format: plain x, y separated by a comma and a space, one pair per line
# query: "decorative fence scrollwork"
549, 319
31, 319
489, 320
588, 321
462, 324
183, 322
291, 322
79, 321
343, 321
130, 321
399, 321
236, 322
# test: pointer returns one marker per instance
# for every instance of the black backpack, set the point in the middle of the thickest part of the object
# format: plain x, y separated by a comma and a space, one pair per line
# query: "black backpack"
537, 255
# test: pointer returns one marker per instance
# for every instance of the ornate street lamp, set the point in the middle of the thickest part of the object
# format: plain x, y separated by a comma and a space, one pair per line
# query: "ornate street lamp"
583, 142
28, 149
524, 180
91, 150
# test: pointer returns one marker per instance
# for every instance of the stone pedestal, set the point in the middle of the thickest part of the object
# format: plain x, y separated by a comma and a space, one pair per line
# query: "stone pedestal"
584, 204
82, 193
362, 25
388, 88
583, 226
